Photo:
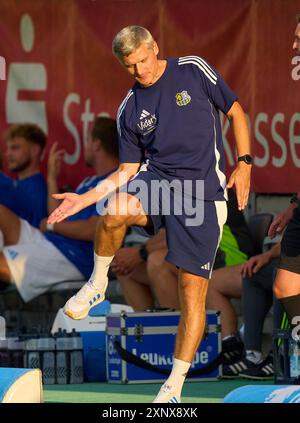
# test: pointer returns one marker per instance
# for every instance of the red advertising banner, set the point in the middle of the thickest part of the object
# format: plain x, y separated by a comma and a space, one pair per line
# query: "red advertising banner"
57, 70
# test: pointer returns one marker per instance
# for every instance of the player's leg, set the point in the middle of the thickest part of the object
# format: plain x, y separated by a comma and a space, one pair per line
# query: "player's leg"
287, 290
5, 275
123, 211
192, 296
10, 226
136, 288
225, 283
15, 231
164, 279
192, 248
287, 283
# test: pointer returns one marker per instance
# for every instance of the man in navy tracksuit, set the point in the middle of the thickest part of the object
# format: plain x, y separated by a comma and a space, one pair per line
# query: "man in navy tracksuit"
169, 123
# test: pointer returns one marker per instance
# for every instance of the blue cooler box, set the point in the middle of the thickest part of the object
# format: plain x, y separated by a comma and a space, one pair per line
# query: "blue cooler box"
150, 336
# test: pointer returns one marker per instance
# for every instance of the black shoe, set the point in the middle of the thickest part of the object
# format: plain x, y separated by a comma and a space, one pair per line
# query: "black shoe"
232, 349
234, 370
260, 371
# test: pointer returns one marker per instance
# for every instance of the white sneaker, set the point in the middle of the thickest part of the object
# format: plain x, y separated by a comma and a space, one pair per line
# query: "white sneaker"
167, 394
78, 306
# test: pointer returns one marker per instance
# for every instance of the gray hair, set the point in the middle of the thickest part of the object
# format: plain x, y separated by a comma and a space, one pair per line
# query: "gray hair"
129, 39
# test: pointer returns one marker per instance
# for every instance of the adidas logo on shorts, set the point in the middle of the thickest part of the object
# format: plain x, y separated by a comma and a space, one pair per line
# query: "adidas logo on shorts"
206, 266
13, 254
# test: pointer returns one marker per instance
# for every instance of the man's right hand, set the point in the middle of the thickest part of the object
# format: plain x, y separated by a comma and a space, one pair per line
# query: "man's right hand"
72, 204
54, 161
280, 222
254, 264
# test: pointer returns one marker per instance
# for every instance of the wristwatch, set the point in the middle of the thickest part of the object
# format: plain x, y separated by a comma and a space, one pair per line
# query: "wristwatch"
143, 252
50, 227
246, 158
295, 199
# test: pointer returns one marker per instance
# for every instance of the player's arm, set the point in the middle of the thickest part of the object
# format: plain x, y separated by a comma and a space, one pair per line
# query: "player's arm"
127, 258
224, 99
157, 242
241, 176
73, 203
281, 221
82, 230
117, 179
53, 169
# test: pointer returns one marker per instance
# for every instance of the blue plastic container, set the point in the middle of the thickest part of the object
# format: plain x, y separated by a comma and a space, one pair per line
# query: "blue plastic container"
264, 394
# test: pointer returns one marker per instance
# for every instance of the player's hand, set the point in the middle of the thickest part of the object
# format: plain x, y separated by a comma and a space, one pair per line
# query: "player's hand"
254, 264
125, 260
72, 204
241, 178
280, 222
54, 161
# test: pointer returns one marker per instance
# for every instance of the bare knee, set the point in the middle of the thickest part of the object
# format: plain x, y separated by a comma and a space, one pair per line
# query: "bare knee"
113, 221
193, 290
156, 260
278, 290
3, 211
122, 210
5, 274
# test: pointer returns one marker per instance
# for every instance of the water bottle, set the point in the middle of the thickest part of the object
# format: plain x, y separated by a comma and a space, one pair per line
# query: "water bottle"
294, 354
2, 326
32, 358
15, 350
63, 347
46, 346
4, 353
76, 358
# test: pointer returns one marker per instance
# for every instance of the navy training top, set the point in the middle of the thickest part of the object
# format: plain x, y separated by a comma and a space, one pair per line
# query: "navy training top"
174, 124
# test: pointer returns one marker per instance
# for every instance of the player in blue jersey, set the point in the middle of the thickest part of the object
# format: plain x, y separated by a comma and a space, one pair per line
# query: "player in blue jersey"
35, 259
26, 196
287, 283
169, 121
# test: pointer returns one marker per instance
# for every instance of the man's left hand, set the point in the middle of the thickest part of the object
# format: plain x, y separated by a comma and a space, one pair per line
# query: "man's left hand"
241, 178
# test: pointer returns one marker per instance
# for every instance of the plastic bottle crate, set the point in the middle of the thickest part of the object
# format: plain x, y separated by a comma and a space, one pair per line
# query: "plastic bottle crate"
281, 348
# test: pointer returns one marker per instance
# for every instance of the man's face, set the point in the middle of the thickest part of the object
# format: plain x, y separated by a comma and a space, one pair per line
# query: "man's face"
142, 64
19, 153
296, 44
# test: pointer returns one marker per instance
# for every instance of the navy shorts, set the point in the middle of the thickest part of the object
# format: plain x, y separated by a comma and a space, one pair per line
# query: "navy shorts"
290, 245
193, 226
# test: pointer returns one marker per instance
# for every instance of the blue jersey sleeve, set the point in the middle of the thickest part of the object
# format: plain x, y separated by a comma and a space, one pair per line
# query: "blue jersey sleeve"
214, 85
7, 192
27, 198
130, 150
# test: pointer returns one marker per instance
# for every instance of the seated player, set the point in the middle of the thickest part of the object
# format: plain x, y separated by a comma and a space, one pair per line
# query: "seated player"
26, 196
35, 259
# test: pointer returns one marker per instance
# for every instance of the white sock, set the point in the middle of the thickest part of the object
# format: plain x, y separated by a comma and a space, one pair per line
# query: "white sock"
227, 337
178, 375
254, 356
99, 275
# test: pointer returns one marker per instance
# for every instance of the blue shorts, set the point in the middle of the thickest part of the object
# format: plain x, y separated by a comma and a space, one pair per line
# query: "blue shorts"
193, 226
